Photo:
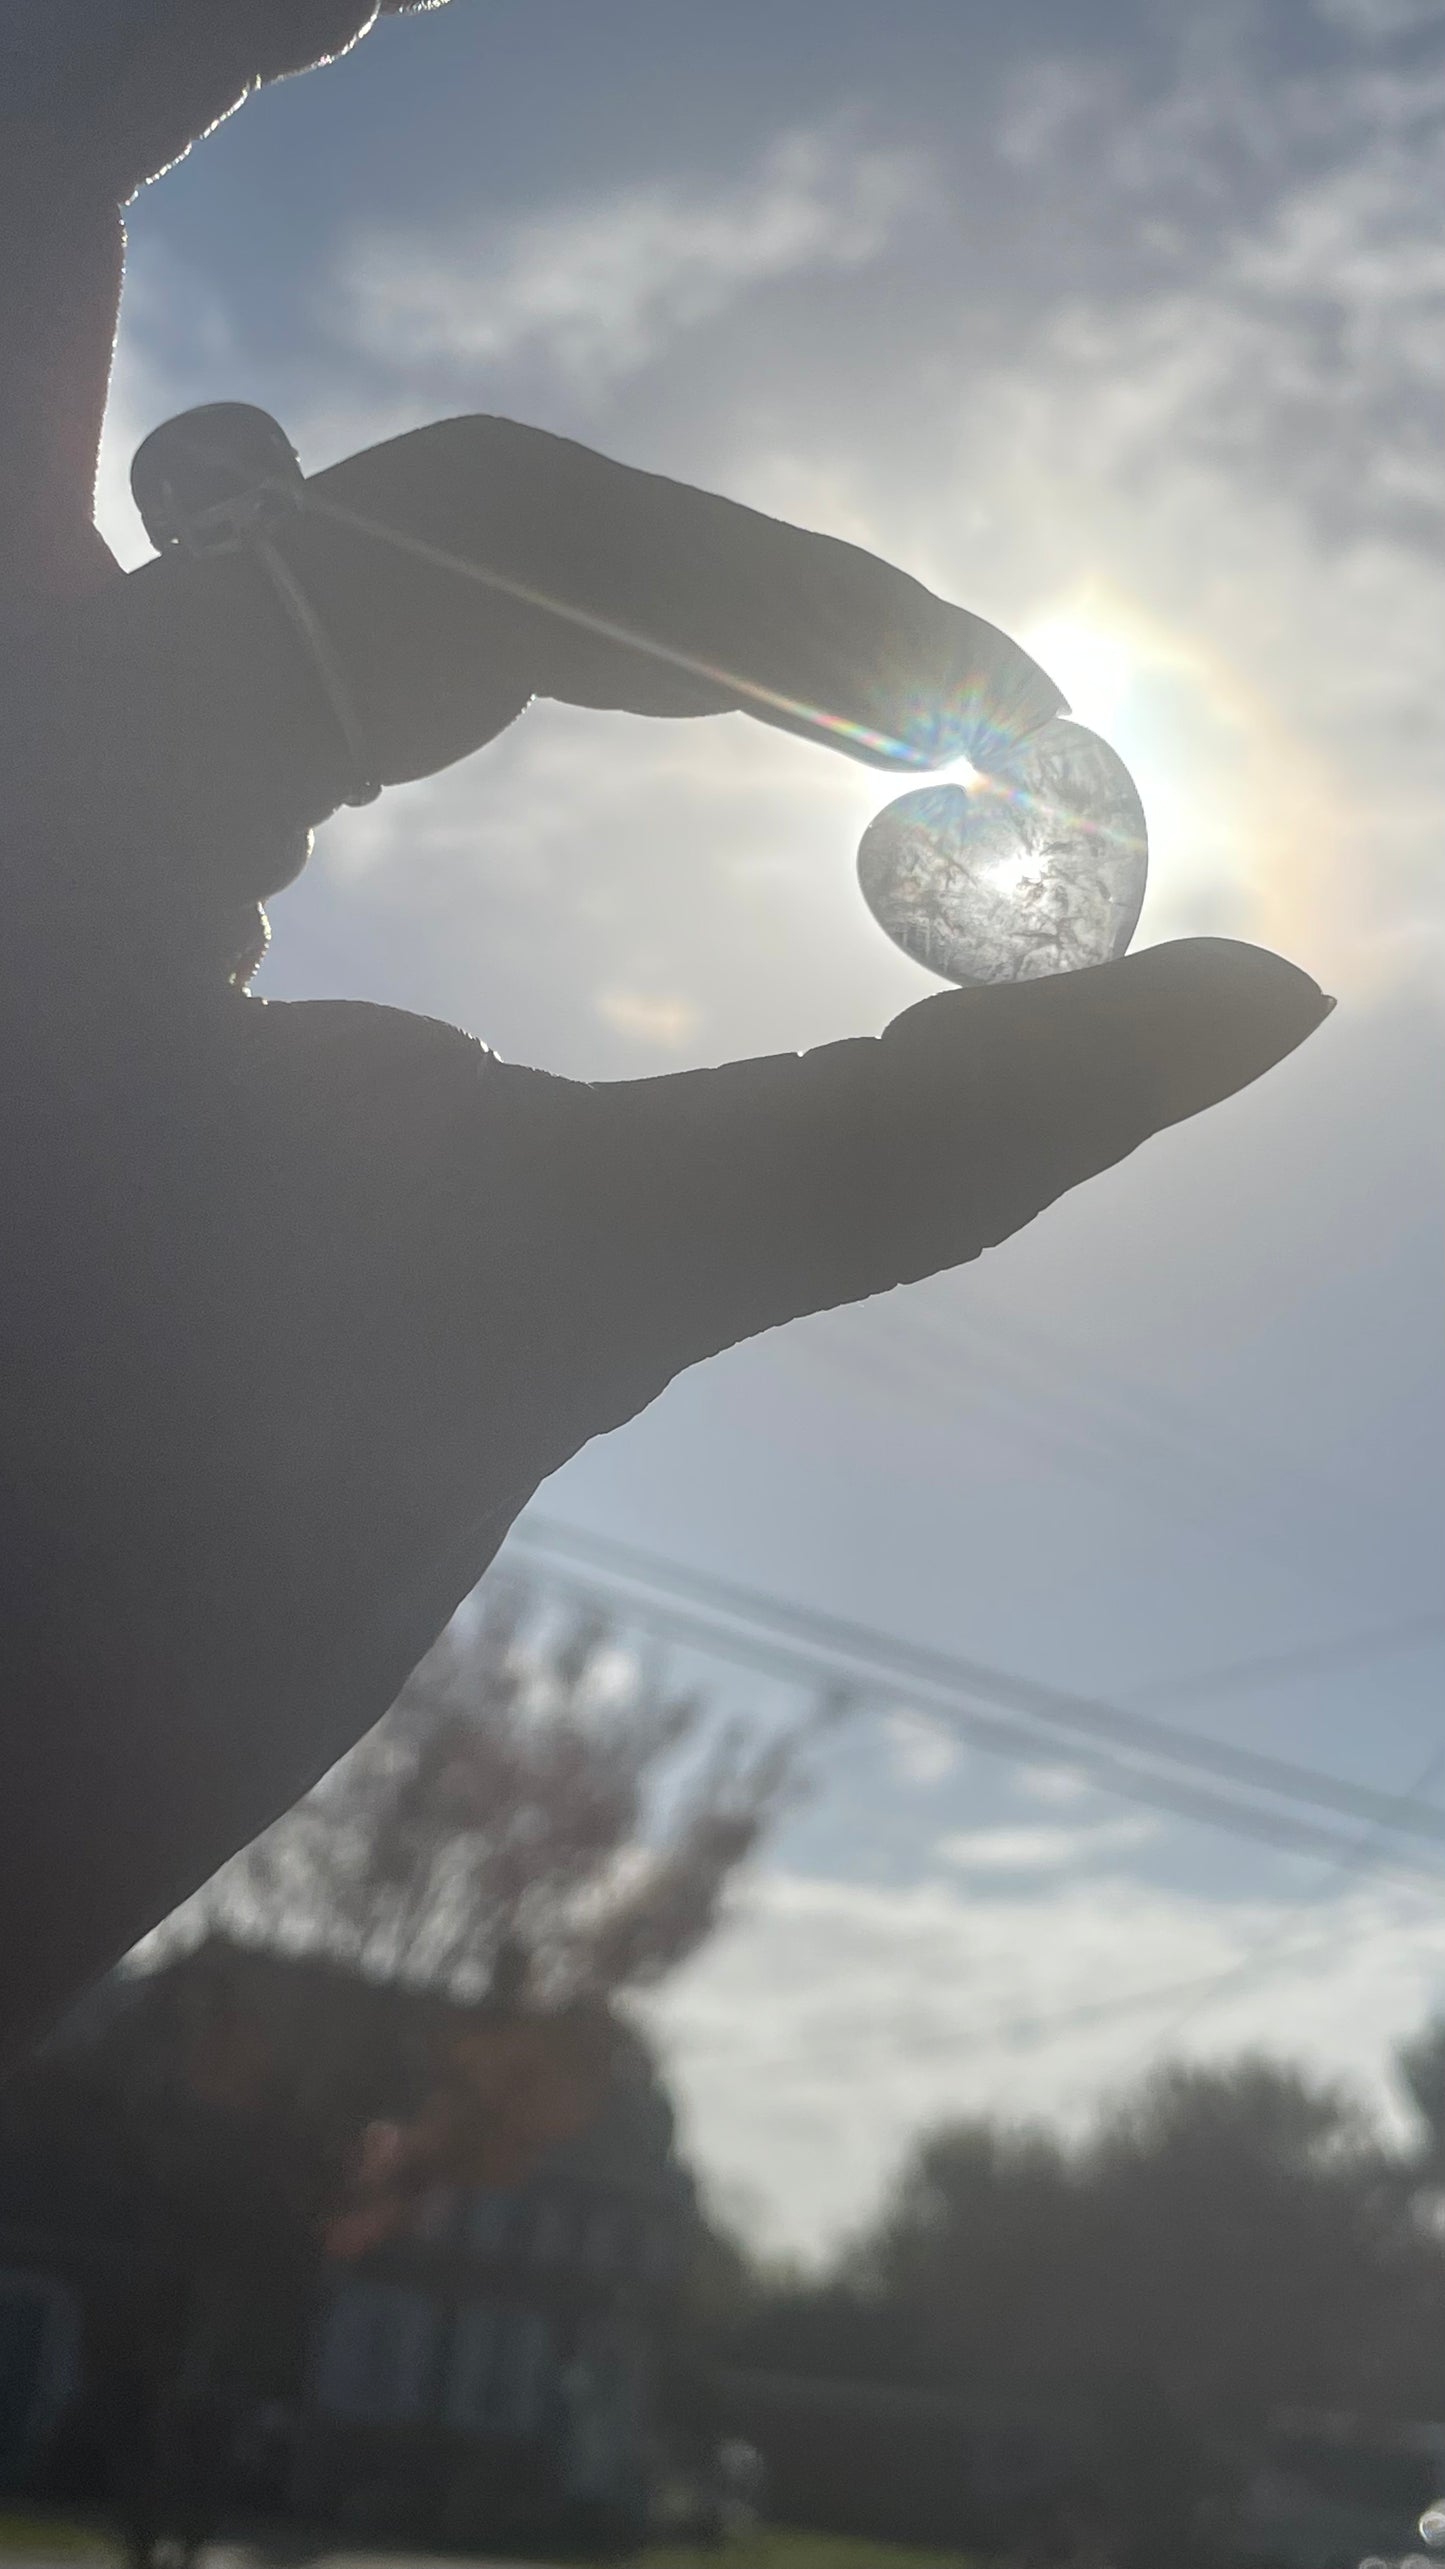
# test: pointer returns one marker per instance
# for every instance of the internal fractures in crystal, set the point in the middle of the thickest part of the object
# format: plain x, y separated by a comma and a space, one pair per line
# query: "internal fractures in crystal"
1038, 867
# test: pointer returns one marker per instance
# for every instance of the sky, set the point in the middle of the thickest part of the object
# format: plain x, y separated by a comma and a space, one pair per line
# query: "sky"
1123, 325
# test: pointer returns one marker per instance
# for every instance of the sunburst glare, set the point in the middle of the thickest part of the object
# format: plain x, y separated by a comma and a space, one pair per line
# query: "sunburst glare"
1090, 659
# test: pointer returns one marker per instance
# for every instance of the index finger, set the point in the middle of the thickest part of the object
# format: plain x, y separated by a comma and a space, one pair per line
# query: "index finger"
459, 571
640, 594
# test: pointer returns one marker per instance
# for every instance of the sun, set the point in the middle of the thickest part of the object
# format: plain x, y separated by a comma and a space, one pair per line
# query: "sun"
1096, 665
1090, 660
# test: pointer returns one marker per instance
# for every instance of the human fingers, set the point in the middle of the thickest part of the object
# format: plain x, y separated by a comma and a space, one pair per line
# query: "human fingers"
1035, 1086
476, 538
462, 569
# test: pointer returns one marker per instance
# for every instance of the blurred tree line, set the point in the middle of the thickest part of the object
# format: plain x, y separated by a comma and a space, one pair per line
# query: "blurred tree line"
411, 1982
541, 1827
1229, 2249
537, 1829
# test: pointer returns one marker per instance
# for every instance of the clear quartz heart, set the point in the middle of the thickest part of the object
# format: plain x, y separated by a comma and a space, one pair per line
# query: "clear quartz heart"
1038, 867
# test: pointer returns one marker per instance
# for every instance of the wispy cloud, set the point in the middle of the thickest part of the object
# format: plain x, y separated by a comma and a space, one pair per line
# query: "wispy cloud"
920, 1752
178, 345
1379, 21
1053, 1784
1042, 1850
1214, 421
597, 288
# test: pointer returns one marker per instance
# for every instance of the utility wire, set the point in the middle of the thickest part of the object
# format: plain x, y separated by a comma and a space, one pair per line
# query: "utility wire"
1164, 1425
1347, 1859
902, 1663
1098, 1437
1094, 1427
801, 1663
1009, 1738
1266, 1956
988, 1406
1199, 1988
1280, 1667
1031, 1363
1283, 1778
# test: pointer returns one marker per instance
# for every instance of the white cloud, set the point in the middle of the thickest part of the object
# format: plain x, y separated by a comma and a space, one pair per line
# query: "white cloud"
1049, 104
832, 2021
662, 1018
141, 396
609, 896
1216, 437
1041, 1850
1224, 457
920, 1752
1051, 1783
597, 288
177, 346
1377, 21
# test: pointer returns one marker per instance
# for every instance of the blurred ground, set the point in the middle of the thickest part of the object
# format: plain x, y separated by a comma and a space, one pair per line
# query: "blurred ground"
38, 2542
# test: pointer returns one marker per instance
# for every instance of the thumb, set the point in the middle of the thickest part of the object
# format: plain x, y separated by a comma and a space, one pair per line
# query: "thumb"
1034, 1086
1205, 1017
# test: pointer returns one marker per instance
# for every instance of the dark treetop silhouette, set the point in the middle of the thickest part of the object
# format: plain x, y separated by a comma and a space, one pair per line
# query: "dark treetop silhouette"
302, 1302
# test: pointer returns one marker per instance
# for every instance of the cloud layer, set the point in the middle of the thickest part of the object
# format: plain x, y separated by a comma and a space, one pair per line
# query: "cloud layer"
833, 2021
601, 289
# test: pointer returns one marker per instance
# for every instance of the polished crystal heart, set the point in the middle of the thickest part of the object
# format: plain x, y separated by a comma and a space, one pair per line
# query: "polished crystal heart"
1038, 867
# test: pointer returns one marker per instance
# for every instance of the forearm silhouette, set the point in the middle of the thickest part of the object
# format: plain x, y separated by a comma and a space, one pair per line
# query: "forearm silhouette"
302, 1302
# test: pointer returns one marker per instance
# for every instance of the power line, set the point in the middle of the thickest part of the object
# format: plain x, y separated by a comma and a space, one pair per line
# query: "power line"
1284, 1779
902, 1663
1268, 1954
1313, 1659
1200, 1987
1101, 1435
1012, 1740
1094, 1423
1164, 1426
853, 1347
1164, 1423
801, 1662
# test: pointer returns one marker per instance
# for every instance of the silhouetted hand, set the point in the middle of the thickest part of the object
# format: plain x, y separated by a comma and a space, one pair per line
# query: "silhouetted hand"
195, 61
301, 1302
93, 102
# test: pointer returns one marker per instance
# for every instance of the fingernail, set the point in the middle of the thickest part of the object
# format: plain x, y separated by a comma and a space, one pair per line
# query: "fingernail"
1329, 1006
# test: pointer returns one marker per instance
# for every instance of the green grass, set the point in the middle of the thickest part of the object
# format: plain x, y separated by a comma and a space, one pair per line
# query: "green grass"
784, 2550
62, 2538
52, 2537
